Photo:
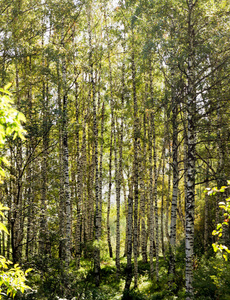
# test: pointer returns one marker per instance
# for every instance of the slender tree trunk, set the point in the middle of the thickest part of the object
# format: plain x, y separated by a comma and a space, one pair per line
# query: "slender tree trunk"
190, 204
117, 168
126, 215
206, 214
152, 122
83, 161
95, 131
142, 198
136, 163
67, 200
151, 210
16, 220
156, 200
175, 182
162, 205
185, 150
66, 183
61, 175
30, 198
43, 223
129, 271
79, 192
101, 160
109, 196
168, 190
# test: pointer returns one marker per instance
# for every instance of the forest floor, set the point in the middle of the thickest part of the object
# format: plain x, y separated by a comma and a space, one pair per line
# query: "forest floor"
53, 283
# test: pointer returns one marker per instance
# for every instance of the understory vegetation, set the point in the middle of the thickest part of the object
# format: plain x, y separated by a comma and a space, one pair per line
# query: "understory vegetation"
49, 280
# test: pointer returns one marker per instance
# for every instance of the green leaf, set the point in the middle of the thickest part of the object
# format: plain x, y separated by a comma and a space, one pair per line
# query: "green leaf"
218, 226
5, 161
215, 248
225, 257
222, 189
28, 270
3, 228
5, 92
3, 207
15, 135
222, 206
6, 87
21, 117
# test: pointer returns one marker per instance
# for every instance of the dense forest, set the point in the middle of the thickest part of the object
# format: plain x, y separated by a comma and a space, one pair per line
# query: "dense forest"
114, 187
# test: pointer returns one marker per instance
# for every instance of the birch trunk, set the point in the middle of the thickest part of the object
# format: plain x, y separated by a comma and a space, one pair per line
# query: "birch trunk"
151, 210
66, 184
67, 200
129, 271
95, 131
175, 182
190, 204
43, 223
101, 160
162, 205
61, 175
79, 188
109, 195
152, 124
156, 199
136, 163
168, 191
117, 168
143, 200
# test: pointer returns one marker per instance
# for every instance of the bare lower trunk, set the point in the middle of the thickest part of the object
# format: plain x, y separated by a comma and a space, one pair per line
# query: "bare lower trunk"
79, 184
156, 201
143, 199
162, 205
151, 211
168, 194
153, 194
175, 183
68, 229
136, 163
129, 272
109, 196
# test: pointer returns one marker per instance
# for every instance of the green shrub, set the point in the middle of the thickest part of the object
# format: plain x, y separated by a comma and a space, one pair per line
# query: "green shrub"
211, 279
